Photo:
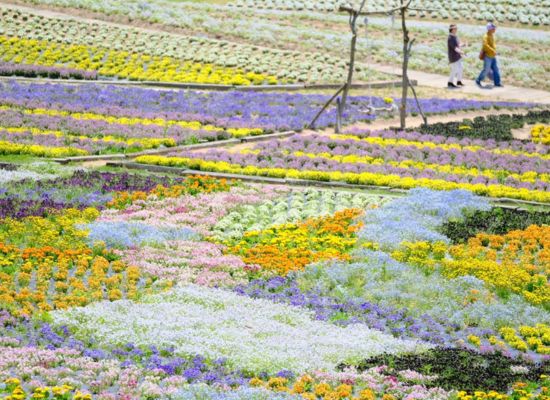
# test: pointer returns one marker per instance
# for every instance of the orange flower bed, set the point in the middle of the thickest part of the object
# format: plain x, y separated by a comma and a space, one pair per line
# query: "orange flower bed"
192, 185
46, 278
290, 247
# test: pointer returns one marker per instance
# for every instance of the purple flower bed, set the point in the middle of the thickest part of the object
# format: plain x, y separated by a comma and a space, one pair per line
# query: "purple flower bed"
82, 189
270, 111
98, 128
272, 158
33, 71
390, 320
481, 159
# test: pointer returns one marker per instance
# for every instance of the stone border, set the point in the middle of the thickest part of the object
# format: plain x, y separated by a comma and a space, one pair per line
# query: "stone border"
198, 86
386, 190
197, 146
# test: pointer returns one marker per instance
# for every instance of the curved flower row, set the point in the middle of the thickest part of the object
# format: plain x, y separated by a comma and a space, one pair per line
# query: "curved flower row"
425, 143
407, 164
161, 122
210, 162
122, 64
99, 128
82, 145
430, 139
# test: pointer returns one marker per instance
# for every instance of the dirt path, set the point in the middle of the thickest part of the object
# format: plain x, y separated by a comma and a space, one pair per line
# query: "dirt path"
507, 93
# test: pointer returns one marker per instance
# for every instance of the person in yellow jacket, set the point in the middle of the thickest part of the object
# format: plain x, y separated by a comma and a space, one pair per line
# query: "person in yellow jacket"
490, 56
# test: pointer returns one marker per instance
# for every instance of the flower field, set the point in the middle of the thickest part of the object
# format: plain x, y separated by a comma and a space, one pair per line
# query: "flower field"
503, 167
34, 39
171, 230
327, 33
60, 120
115, 285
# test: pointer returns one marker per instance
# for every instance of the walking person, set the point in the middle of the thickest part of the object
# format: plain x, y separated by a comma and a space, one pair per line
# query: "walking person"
455, 58
489, 56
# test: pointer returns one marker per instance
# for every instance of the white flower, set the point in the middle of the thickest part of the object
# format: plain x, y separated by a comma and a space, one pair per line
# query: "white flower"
254, 335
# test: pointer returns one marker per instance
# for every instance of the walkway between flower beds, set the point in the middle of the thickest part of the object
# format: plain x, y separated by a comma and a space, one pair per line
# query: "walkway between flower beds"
440, 81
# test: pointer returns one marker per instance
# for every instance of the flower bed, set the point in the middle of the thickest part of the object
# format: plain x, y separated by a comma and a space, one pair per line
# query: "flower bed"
498, 127
61, 120
125, 112
506, 262
402, 160
541, 134
32, 71
324, 33
105, 62
79, 190
527, 13
190, 303
217, 324
155, 56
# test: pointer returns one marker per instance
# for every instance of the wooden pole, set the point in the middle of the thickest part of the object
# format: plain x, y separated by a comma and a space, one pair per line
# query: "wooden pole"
338, 116
424, 118
353, 15
353, 26
312, 123
405, 83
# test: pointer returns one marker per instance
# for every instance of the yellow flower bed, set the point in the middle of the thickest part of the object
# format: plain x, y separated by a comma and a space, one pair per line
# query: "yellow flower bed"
47, 278
530, 176
123, 64
58, 231
541, 134
89, 116
38, 150
365, 178
520, 391
15, 391
536, 338
518, 262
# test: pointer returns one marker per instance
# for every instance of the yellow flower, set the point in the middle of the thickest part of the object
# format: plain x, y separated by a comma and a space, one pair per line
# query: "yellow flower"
256, 382
321, 389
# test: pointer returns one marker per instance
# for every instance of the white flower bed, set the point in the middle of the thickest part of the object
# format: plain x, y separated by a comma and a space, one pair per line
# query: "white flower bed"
527, 12
254, 335
35, 171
